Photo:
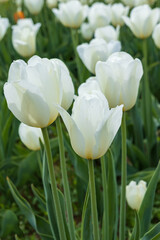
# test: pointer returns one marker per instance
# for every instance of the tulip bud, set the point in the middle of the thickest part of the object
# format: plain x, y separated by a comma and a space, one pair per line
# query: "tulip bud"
33, 90
24, 37
108, 33
71, 14
4, 24
135, 194
92, 134
51, 3
117, 11
99, 15
142, 21
30, 136
34, 6
86, 31
96, 50
156, 35
119, 79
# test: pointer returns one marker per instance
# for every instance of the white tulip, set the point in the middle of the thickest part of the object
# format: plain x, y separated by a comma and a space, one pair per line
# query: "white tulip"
108, 33
99, 15
52, 3
34, 6
117, 11
33, 89
67, 85
86, 31
156, 35
119, 78
96, 50
142, 21
30, 136
4, 24
71, 14
90, 85
92, 126
135, 194
24, 37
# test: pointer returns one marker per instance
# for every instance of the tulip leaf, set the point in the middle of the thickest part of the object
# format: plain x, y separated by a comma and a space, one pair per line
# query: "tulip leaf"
40, 224
152, 233
86, 225
39, 196
145, 211
9, 224
112, 197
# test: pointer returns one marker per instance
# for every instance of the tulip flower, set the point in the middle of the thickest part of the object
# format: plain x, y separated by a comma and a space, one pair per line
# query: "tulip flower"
71, 14
142, 21
34, 6
117, 11
86, 31
119, 79
99, 15
30, 136
33, 89
90, 85
96, 50
4, 24
51, 3
67, 85
24, 37
156, 35
135, 194
108, 33
92, 134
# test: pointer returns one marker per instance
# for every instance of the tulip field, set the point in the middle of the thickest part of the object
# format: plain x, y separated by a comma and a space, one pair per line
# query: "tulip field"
79, 120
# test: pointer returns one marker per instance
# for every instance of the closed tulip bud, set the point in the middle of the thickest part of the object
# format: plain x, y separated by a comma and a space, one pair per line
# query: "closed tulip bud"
92, 134
117, 11
135, 194
24, 37
33, 89
86, 31
67, 85
156, 35
142, 21
52, 3
119, 79
34, 6
30, 136
90, 85
108, 33
71, 14
96, 50
4, 24
99, 15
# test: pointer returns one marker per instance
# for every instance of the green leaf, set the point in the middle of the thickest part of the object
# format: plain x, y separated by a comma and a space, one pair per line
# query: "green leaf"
39, 196
40, 225
152, 233
9, 224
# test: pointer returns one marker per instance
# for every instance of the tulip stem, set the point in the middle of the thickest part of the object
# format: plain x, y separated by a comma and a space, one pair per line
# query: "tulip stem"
53, 185
105, 200
123, 180
93, 200
147, 102
65, 179
74, 34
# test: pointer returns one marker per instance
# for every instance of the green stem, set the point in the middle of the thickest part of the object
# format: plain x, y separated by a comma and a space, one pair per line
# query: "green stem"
123, 181
105, 200
74, 34
53, 185
93, 200
84, 211
65, 179
146, 101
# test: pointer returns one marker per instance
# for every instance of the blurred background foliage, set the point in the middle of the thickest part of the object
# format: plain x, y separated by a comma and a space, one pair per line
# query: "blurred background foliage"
23, 167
